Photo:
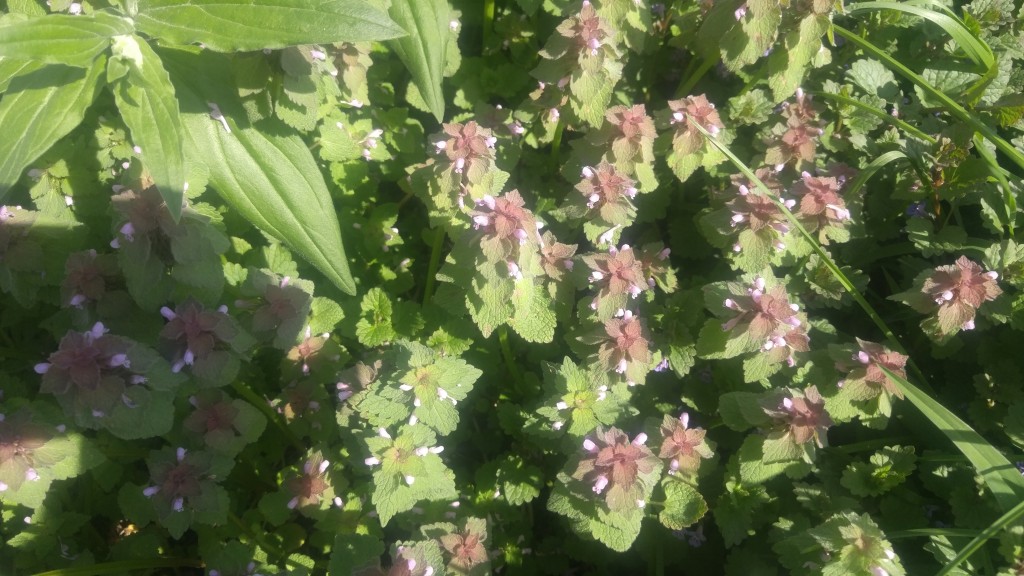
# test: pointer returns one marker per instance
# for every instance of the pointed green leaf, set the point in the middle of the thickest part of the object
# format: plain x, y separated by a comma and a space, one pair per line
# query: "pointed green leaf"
267, 174
423, 49
57, 97
241, 25
148, 106
61, 39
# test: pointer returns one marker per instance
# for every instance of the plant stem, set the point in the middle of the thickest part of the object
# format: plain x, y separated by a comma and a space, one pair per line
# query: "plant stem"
556, 141
506, 352
435, 262
488, 24
691, 80
125, 567
271, 550
260, 404
877, 113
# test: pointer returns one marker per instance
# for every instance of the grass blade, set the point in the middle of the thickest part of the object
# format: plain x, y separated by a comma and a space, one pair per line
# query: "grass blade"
987, 534
999, 474
956, 110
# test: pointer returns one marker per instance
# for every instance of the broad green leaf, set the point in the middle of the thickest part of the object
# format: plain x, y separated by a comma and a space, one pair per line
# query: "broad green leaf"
422, 51
683, 505
1001, 477
58, 97
242, 25
267, 174
62, 39
145, 98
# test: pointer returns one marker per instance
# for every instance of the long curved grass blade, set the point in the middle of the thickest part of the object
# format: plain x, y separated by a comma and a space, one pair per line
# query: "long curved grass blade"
1001, 476
956, 110
123, 567
978, 52
978, 541
869, 170
876, 112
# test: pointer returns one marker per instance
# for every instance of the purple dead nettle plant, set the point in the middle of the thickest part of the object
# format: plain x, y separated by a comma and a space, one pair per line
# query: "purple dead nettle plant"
625, 348
952, 294
87, 276
682, 446
199, 338
20, 439
799, 416
467, 546
179, 480
821, 206
278, 307
798, 141
315, 353
629, 134
90, 372
312, 485
608, 192
752, 209
619, 277
145, 215
556, 258
690, 111
863, 366
623, 472
765, 315
213, 417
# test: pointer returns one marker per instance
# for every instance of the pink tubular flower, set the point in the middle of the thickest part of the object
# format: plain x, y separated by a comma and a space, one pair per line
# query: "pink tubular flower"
466, 143
308, 488
607, 191
617, 273
505, 223
86, 275
19, 439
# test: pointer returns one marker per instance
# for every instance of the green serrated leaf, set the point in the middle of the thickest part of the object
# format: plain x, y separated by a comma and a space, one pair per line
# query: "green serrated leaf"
684, 506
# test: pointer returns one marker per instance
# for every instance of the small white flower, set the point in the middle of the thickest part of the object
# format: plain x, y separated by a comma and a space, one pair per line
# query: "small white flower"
372, 461
589, 445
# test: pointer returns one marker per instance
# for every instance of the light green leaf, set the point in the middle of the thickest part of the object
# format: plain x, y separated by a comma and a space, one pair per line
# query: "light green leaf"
149, 108
422, 50
62, 39
58, 97
242, 25
683, 505
267, 174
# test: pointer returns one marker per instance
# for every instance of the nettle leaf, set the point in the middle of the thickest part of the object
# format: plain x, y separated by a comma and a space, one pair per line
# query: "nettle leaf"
145, 98
352, 552
62, 39
587, 518
247, 25
269, 176
59, 97
874, 78
742, 410
887, 469
375, 326
582, 398
684, 505
409, 472
754, 466
786, 66
423, 49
